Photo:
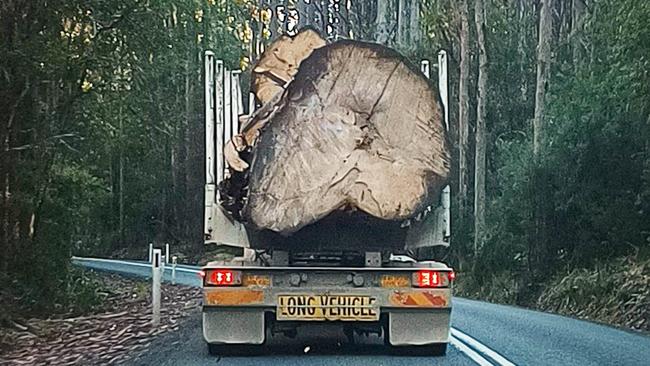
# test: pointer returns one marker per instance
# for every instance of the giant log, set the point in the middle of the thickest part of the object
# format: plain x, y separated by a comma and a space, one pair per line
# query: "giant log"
355, 128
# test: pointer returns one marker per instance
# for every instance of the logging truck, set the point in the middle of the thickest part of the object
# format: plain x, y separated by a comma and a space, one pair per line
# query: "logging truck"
310, 265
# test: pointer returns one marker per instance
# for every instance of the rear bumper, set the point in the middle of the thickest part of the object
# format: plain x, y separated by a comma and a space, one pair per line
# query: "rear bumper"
245, 314
401, 298
249, 324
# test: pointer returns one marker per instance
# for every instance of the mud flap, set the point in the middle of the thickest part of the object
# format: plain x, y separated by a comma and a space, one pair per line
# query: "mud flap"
410, 328
222, 326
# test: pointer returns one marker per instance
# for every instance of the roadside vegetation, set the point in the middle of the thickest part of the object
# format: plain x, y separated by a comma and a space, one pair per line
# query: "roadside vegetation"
114, 328
616, 292
101, 107
593, 216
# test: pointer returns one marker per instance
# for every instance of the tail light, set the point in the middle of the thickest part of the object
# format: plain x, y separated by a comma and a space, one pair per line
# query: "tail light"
429, 278
221, 277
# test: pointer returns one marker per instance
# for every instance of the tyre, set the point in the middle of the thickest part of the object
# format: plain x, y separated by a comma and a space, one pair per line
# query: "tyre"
436, 349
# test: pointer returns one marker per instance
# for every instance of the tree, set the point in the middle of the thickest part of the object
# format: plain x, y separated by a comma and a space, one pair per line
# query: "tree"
463, 108
543, 68
540, 183
479, 159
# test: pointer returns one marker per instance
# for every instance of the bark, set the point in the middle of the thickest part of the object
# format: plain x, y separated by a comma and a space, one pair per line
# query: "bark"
357, 130
402, 24
543, 69
385, 21
187, 147
577, 24
121, 179
463, 108
563, 11
540, 179
414, 23
342, 25
479, 160
362, 19
279, 64
521, 49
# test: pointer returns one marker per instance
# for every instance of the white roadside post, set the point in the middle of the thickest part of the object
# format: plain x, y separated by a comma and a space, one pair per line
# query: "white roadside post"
150, 252
425, 67
174, 261
166, 253
156, 275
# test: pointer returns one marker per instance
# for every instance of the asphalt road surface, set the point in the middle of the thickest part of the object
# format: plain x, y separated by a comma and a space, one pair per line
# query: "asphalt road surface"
482, 333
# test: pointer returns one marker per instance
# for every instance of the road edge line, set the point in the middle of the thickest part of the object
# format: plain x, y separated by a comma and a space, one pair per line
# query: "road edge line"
480, 347
467, 351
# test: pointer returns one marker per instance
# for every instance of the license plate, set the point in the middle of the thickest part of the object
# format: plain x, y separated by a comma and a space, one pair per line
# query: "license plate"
327, 307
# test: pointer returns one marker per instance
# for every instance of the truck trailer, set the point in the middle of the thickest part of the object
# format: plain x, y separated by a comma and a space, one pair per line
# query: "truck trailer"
270, 290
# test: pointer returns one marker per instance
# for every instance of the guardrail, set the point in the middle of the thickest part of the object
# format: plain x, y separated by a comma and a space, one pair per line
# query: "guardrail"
181, 274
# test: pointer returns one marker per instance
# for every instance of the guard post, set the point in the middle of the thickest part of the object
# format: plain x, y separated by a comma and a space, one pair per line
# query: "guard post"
156, 274
174, 262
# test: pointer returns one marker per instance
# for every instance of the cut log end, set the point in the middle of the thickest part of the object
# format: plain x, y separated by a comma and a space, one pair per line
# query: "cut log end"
357, 129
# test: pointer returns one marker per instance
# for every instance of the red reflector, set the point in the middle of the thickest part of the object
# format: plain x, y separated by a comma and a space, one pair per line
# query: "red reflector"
429, 278
222, 277
451, 275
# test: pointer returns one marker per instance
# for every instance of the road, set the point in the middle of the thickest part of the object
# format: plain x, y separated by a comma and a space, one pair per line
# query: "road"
482, 333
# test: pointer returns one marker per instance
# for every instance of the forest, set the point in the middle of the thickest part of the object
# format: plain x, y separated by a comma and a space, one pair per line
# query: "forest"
102, 135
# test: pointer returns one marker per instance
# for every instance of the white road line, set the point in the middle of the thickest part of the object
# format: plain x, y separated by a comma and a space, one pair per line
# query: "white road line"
480, 347
480, 360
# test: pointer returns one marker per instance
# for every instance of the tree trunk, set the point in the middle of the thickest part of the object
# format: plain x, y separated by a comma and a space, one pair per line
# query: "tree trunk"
414, 24
540, 181
362, 20
479, 160
402, 25
577, 23
187, 144
344, 24
385, 21
121, 178
463, 109
543, 69
521, 49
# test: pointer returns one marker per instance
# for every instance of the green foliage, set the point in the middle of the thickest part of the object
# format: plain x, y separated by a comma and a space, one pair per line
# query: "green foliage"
72, 292
92, 88
599, 138
597, 153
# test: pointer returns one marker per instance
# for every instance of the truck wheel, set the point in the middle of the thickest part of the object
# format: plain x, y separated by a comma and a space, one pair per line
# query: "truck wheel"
234, 349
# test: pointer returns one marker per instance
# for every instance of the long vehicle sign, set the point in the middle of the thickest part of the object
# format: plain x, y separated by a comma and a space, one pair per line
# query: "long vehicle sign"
327, 307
